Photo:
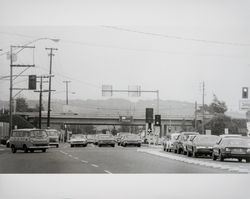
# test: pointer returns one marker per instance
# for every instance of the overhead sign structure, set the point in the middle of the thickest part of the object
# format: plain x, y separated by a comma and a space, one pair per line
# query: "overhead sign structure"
244, 104
126, 119
107, 90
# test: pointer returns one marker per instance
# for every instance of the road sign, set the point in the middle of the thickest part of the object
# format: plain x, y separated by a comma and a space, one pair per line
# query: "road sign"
244, 104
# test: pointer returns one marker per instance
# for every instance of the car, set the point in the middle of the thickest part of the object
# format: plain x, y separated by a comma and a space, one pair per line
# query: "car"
29, 140
168, 143
106, 139
202, 145
237, 147
78, 140
188, 143
53, 135
91, 139
131, 140
179, 146
120, 135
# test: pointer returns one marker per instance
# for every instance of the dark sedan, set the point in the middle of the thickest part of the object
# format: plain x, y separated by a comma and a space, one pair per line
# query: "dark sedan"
238, 148
202, 145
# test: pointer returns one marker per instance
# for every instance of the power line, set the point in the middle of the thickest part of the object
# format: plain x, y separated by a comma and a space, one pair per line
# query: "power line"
178, 37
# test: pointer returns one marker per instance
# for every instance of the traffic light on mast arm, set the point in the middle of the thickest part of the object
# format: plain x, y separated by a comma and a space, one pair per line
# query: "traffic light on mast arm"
245, 92
32, 82
157, 120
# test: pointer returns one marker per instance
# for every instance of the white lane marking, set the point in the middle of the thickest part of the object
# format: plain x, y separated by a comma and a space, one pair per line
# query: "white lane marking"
83, 161
70, 155
94, 165
107, 171
197, 162
76, 158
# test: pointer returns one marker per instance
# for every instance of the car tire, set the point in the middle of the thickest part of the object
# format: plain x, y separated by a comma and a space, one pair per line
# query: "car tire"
240, 159
13, 149
125, 145
32, 150
221, 158
248, 160
8, 145
25, 149
99, 145
179, 151
57, 146
175, 151
113, 145
138, 145
214, 157
43, 150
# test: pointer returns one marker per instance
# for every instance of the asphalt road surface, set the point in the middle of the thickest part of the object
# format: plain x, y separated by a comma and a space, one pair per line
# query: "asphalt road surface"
94, 159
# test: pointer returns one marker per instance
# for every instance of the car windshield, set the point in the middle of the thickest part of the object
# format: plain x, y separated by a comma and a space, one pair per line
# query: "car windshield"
77, 136
207, 139
52, 133
237, 142
105, 136
38, 133
132, 137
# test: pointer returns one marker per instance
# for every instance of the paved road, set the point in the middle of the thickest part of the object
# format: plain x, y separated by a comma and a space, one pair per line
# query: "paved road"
92, 159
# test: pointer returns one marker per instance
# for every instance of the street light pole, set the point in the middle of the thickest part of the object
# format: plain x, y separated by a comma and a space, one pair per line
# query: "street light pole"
50, 73
67, 91
10, 101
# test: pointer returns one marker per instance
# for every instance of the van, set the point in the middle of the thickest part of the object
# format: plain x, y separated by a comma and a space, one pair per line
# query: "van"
53, 135
29, 140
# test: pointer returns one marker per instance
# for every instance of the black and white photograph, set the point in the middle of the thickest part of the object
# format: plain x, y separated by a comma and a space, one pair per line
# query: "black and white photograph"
124, 99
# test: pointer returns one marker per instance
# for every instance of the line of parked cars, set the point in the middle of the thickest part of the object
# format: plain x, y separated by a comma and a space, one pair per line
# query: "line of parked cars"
217, 147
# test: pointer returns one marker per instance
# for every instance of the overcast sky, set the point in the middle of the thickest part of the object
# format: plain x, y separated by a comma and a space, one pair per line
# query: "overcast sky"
192, 42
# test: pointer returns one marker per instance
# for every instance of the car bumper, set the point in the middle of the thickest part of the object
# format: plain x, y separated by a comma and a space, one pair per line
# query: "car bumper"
38, 147
205, 151
234, 155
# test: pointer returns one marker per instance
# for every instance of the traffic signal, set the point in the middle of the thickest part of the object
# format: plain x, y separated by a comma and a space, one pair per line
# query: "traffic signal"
245, 92
157, 120
149, 115
32, 82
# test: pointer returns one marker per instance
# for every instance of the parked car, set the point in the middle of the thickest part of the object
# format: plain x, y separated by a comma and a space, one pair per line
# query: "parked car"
29, 140
179, 146
237, 147
188, 143
168, 143
131, 140
202, 145
78, 140
53, 135
90, 139
120, 135
106, 139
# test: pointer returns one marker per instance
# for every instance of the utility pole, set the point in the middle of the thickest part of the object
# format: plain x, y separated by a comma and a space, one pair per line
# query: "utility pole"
50, 74
11, 90
195, 116
67, 91
203, 108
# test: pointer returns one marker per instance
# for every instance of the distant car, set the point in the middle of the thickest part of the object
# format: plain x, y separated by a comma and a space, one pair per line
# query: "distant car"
90, 139
106, 139
179, 148
237, 147
119, 137
131, 140
29, 140
168, 143
78, 140
202, 145
53, 135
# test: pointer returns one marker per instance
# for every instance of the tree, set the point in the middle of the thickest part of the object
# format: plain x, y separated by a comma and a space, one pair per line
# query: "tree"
217, 106
21, 105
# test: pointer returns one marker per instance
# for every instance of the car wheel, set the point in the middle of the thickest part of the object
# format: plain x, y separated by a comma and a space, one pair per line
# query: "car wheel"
248, 160
240, 159
175, 151
8, 145
179, 151
43, 150
125, 145
139, 145
13, 149
113, 145
25, 149
32, 150
57, 146
71, 145
214, 156
99, 145
221, 158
